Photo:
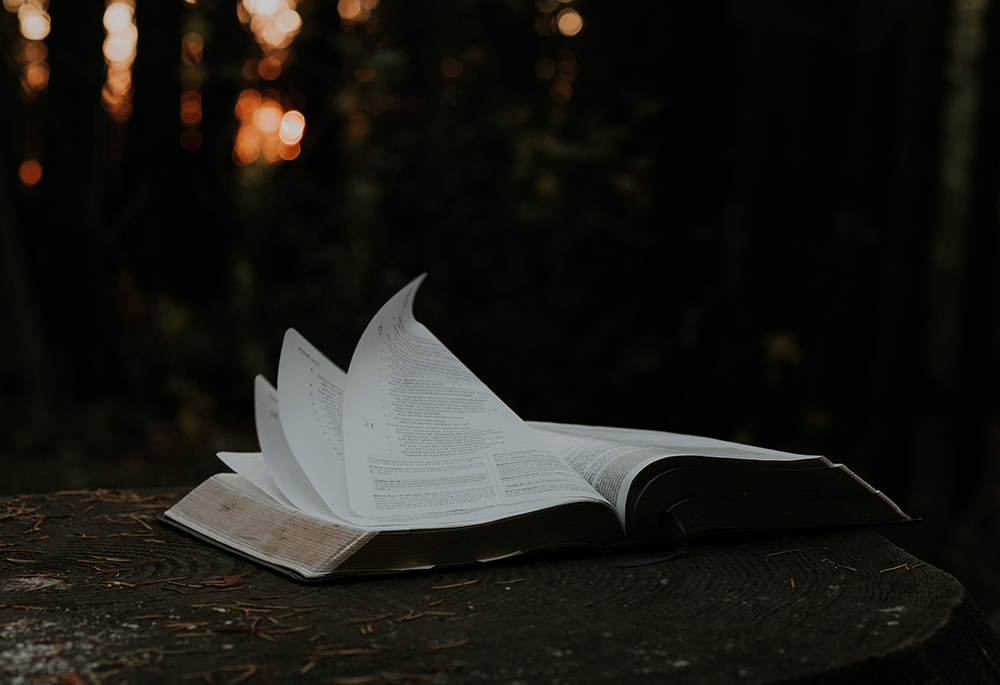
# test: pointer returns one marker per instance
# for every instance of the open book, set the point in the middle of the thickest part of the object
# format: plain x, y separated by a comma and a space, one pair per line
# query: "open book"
409, 461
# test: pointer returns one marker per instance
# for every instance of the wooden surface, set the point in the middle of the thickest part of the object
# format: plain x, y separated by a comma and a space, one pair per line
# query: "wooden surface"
94, 589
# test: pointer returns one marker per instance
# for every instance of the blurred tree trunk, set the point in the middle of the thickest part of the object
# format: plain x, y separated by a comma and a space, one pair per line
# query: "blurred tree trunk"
950, 233
895, 371
948, 455
958, 455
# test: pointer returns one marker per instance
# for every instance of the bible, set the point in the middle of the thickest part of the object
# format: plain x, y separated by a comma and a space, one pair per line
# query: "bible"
409, 461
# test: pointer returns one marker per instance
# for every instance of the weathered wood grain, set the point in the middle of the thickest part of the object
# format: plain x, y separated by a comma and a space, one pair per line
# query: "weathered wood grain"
94, 589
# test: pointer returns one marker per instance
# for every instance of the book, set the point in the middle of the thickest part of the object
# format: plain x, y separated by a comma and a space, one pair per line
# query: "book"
409, 461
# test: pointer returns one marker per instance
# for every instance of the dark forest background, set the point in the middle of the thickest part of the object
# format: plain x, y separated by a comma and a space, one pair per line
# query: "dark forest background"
774, 222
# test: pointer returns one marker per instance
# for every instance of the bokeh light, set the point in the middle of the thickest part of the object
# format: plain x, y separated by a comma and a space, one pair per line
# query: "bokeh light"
30, 172
355, 11
569, 22
267, 132
118, 17
34, 20
36, 76
247, 104
29, 51
274, 23
556, 18
119, 54
267, 118
192, 51
269, 68
293, 125
190, 107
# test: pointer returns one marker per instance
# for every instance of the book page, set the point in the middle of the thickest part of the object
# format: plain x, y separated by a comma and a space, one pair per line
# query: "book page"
310, 399
281, 463
611, 458
423, 435
251, 466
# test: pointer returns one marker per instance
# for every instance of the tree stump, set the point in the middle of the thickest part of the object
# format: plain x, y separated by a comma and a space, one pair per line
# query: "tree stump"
94, 589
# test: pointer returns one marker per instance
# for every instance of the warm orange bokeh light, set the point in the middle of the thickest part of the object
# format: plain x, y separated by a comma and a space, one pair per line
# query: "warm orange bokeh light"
119, 54
247, 104
35, 51
349, 10
267, 133
569, 22
192, 49
30, 52
191, 112
269, 68
35, 27
293, 125
30, 172
246, 147
274, 23
289, 152
119, 48
36, 76
267, 118
190, 116
118, 17
288, 22
33, 19
355, 11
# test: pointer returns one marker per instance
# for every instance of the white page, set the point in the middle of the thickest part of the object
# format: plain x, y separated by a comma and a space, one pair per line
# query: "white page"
310, 386
423, 435
611, 458
278, 458
251, 466
310, 396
